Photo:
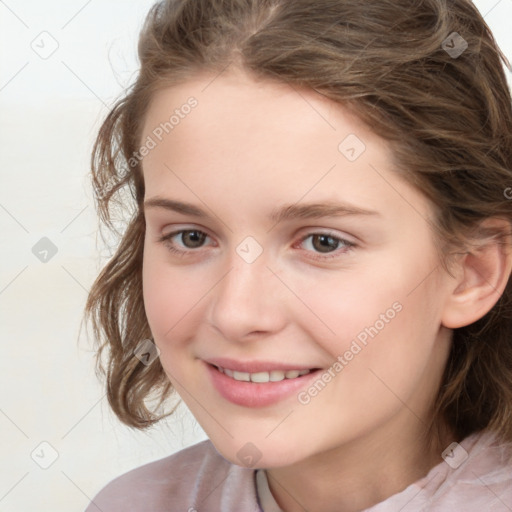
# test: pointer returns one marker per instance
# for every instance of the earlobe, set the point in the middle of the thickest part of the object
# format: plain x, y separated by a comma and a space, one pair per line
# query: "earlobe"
482, 275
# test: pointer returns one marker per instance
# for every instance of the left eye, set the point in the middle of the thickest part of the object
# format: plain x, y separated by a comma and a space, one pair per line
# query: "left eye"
326, 243
193, 239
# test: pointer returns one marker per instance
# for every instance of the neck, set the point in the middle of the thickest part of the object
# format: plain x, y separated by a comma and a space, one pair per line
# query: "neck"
358, 475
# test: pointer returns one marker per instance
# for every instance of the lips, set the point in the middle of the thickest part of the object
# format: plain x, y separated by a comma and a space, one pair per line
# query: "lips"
257, 383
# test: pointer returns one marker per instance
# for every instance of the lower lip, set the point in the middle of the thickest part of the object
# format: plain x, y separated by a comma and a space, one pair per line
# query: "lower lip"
256, 394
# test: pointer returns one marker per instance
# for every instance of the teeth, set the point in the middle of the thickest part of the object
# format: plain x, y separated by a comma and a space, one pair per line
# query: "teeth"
242, 376
276, 375
260, 377
273, 376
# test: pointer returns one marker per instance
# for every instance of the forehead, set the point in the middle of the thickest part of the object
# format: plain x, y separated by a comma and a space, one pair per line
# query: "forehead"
232, 100
245, 138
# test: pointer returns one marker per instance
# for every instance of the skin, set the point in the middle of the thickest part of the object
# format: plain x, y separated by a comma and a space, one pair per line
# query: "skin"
248, 147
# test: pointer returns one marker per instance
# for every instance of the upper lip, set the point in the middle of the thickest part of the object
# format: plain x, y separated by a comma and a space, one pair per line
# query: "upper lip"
255, 366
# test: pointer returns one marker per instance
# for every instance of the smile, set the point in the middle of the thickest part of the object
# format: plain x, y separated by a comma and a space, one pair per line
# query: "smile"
257, 388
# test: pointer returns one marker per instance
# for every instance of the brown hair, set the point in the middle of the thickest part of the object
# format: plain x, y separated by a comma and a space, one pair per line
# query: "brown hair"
447, 116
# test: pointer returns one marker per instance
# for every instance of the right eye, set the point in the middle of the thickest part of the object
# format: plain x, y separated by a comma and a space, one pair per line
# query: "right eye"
190, 239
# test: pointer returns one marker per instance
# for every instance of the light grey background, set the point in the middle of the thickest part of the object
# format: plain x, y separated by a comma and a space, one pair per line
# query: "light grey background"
50, 109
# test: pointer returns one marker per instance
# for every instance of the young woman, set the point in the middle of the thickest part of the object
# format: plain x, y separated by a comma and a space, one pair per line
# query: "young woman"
317, 259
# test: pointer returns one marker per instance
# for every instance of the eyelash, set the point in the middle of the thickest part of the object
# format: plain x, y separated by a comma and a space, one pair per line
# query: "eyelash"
348, 246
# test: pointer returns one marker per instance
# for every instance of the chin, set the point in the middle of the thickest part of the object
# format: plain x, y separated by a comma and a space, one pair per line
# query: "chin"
258, 454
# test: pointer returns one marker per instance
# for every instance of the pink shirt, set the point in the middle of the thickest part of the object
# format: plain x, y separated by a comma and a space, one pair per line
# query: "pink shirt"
475, 477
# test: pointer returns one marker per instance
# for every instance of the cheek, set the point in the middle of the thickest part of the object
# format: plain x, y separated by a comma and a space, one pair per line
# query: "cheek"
385, 315
166, 305
172, 299
346, 306
163, 296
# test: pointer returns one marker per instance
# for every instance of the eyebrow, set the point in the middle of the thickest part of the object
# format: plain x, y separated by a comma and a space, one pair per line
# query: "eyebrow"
283, 213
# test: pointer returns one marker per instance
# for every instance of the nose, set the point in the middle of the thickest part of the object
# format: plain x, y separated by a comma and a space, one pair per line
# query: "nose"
248, 302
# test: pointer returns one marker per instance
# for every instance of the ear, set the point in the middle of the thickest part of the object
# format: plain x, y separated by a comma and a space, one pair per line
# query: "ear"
481, 274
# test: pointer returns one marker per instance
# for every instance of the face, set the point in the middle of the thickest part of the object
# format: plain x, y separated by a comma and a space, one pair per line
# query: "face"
279, 239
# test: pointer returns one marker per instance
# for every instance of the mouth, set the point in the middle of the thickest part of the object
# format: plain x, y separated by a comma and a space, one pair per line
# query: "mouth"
260, 387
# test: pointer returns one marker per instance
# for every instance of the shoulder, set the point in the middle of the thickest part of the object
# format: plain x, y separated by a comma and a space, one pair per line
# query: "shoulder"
194, 479
484, 478
478, 476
